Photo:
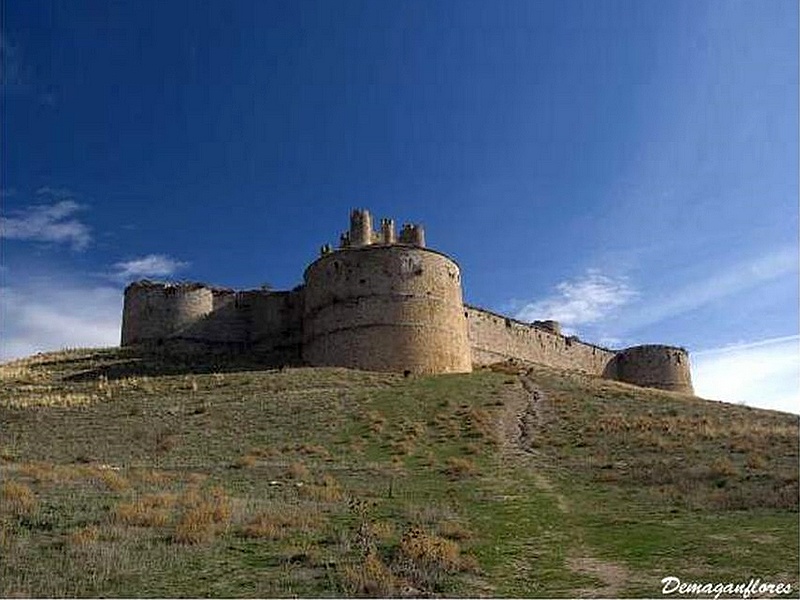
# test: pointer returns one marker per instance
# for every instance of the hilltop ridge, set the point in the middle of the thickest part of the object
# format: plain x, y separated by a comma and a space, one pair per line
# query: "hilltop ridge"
131, 473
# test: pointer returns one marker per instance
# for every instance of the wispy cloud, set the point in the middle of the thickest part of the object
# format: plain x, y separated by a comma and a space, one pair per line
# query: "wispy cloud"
52, 223
736, 278
764, 373
49, 314
18, 76
581, 301
152, 265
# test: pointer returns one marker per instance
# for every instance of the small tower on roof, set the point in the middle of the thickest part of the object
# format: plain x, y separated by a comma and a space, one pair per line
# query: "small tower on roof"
413, 235
361, 233
360, 228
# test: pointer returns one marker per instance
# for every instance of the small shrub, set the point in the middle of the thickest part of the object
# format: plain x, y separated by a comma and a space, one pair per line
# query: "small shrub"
454, 530
723, 466
298, 471
245, 462
83, 536
458, 467
39, 472
7, 454
152, 510
165, 441
755, 461
371, 577
201, 519
426, 559
113, 480
279, 523
328, 490
422, 547
196, 525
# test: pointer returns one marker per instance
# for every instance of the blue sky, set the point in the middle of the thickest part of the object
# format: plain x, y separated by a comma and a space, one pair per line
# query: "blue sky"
628, 167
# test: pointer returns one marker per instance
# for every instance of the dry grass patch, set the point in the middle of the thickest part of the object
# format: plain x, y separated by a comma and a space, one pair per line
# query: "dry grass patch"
458, 467
314, 450
422, 547
376, 421
246, 462
426, 559
454, 530
298, 471
151, 477
18, 499
201, 519
40, 472
151, 510
34, 399
280, 522
370, 577
83, 536
113, 480
328, 490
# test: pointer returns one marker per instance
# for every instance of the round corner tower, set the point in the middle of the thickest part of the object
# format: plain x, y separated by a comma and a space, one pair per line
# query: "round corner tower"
154, 311
655, 366
385, 307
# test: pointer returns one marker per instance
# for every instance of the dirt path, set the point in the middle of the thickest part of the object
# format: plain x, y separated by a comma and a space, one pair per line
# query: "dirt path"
611, 574
526, 415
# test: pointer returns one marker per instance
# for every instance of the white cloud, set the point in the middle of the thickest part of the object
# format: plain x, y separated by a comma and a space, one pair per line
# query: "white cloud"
42, 315
152, 265
581, 301
47, 223
764, 374
737, 278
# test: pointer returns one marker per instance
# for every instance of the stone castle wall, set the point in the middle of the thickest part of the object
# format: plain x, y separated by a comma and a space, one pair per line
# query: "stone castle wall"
494, 338
380, 302
155, 311
664, 367
390, 307
195, 317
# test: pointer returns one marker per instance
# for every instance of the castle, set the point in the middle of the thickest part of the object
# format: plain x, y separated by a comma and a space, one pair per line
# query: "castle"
383, 302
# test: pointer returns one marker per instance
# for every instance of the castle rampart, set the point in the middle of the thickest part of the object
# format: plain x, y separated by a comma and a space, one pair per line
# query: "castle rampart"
196, 317
155, 311
664, 367
390, 308
494, 338
381, 301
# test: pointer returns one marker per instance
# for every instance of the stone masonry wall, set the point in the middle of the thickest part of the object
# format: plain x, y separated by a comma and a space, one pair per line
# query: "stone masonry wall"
195, 317
390, 308
276, 325
656, 366
153, 311
494, 338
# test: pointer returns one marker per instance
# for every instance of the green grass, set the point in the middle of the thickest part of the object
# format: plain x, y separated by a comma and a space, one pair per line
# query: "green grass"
129, 475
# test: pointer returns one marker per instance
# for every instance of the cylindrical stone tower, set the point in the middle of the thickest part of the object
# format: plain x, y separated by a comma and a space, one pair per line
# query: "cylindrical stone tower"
388, 235
385, 308
156, 311
655, 366
412, 234
360, 228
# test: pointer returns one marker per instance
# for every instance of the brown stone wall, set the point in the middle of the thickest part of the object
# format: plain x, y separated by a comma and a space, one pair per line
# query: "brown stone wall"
386, 308
494, 338
154, 311
656, 366
276, 325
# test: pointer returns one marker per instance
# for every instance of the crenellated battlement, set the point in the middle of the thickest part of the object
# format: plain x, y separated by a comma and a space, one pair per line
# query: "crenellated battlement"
380, 301
361, 233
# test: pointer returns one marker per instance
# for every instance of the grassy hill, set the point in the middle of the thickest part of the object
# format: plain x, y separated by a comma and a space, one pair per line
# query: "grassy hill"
128, 475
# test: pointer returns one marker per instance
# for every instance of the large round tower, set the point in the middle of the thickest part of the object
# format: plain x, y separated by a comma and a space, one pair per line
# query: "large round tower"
153, 312
385, 307
656, 366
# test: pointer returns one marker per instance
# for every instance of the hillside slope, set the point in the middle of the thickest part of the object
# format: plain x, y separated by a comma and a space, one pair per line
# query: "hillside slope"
126, 475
